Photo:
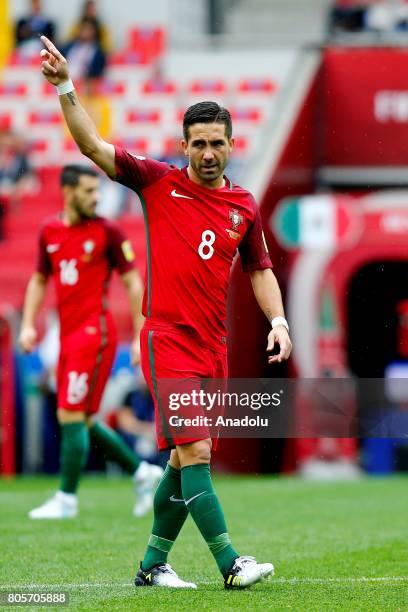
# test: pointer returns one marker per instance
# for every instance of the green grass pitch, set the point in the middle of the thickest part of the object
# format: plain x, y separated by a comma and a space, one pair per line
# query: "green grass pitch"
337, 546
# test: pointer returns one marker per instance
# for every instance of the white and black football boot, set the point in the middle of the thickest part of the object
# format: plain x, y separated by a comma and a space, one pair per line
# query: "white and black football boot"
246, 571
161, 575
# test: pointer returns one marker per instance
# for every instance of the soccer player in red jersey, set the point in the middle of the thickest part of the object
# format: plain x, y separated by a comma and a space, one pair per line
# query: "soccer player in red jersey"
196, 220
79, 250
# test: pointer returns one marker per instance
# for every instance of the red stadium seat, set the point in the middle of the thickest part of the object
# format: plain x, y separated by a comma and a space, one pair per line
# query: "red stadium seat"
19, 59
257, 85
6, 121
49, 178
179, 115
106, 87
13, 89
241, 145
143, 116
39, 146
70, 145
138, 145
45, 117
126, 58
144, 45
47, 89
149, 42
251, 114
159, 86
171, 147
201, 86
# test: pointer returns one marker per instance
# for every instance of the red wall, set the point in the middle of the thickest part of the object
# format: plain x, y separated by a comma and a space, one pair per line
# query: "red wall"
365, 102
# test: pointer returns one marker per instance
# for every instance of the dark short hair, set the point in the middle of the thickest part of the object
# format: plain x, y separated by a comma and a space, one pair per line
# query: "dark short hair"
207, 112
71, 174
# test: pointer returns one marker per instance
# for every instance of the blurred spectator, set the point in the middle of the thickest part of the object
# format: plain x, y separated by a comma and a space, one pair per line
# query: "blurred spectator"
29, 28
348, 16
90, 11
134, 421
369, 15
134, 418
128, 407
16, 177
387, 16
86, 57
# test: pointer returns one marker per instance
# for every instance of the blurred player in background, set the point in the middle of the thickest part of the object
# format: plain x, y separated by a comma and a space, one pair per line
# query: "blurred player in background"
80, 249
196, 219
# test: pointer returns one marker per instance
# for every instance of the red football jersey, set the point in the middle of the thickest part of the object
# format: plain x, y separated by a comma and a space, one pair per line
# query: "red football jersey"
193, 234
80, 258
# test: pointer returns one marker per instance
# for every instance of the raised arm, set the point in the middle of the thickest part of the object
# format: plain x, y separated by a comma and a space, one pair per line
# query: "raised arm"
33, 300
56, 71
269, 298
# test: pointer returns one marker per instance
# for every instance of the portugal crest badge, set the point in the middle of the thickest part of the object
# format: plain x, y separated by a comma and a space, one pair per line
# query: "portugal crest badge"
236, 220
88, 247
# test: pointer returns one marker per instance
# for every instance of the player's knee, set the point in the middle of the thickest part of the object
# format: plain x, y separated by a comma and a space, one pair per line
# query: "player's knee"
65, 417
194, 453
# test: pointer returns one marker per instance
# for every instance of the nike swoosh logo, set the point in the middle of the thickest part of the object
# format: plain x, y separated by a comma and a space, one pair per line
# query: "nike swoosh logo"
188, 501
176, 499
52, 248
180, 195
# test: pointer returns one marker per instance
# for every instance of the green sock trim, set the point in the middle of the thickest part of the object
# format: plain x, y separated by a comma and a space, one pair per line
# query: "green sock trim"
113, 447
160, 543
218, 543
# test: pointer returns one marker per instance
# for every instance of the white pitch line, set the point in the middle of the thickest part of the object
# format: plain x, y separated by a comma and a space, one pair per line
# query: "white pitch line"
342, 579
129, 585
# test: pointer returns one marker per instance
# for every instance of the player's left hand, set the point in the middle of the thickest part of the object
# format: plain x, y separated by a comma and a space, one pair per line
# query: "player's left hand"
135, 351
279, 335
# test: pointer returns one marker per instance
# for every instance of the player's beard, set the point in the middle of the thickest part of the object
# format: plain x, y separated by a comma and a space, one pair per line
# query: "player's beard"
84, 213
217, 171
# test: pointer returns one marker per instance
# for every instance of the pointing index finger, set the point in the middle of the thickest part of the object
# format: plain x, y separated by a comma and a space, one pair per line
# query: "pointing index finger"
51, 47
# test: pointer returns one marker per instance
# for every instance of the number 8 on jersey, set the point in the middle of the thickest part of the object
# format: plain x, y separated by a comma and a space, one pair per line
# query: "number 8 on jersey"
206, 249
